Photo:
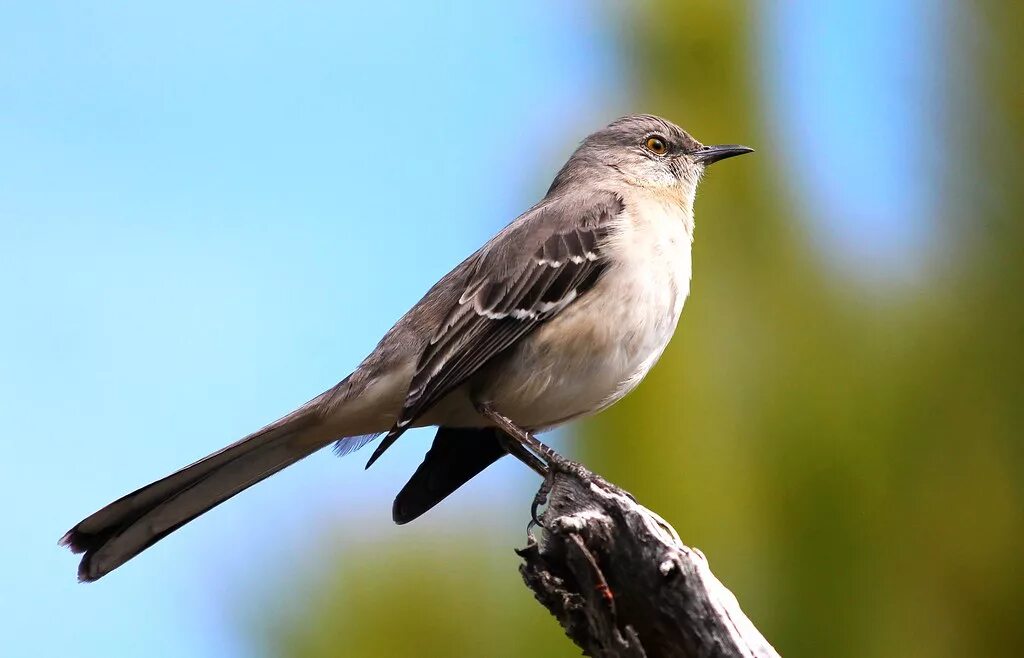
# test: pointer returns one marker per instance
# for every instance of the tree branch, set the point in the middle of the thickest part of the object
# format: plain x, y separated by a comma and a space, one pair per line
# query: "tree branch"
620, 581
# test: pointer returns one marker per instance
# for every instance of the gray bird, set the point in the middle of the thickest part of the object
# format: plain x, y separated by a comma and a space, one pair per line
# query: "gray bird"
558, 316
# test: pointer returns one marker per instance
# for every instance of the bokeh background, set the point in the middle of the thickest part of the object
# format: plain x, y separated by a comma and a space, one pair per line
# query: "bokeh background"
210, 212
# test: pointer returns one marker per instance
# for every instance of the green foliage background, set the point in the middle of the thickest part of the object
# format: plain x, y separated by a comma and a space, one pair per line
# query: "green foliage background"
849, 455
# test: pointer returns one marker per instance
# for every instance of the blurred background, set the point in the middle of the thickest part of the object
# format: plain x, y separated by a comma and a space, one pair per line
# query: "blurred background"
209, 213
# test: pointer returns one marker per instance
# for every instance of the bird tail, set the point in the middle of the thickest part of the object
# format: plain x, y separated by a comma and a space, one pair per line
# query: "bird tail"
129, 525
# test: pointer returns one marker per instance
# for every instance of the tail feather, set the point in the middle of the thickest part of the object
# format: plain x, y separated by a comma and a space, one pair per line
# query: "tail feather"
456, 456
129, 525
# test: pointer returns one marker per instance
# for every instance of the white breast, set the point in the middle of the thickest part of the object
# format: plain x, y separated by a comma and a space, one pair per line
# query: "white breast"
600, 347
651, 281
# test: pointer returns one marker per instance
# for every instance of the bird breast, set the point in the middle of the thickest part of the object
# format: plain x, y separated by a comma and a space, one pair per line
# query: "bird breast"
598, 349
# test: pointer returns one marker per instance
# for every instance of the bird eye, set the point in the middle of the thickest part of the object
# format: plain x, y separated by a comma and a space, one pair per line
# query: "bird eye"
656, 145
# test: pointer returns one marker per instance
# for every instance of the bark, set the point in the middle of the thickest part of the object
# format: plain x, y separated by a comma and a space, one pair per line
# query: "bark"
620, 581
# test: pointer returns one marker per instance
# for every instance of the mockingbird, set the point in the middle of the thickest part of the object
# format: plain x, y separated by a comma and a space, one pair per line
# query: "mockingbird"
558, 316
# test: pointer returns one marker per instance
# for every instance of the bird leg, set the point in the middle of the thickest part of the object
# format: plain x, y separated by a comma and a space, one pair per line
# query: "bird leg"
523, 445
514, 439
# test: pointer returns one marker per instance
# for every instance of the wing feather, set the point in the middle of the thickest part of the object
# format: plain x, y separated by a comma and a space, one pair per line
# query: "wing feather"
529, 273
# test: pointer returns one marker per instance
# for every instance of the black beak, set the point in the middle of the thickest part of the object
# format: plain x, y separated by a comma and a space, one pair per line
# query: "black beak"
712, 154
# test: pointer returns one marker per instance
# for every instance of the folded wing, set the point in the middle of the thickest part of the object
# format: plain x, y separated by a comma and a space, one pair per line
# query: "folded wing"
534, 269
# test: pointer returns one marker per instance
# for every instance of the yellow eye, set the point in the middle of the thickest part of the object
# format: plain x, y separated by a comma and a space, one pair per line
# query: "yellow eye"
656, 145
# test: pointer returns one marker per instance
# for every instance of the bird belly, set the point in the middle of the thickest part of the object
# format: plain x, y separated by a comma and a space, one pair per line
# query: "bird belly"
600, 348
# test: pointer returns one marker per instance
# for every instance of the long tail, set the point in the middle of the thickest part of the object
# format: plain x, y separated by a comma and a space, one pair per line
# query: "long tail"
129, 525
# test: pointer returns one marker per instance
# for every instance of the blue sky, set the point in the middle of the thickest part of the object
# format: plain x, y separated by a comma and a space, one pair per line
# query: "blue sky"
852, 87
210, 215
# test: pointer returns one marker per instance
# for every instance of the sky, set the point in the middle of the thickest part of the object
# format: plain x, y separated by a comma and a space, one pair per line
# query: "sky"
208, 215
851, 88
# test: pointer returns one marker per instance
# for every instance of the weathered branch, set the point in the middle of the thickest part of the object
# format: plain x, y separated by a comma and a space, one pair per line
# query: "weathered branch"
622, 584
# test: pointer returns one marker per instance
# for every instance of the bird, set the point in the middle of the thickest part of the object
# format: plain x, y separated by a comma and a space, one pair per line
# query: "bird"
558, 316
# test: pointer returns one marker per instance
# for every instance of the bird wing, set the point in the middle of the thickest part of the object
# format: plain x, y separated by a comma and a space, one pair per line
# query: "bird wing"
527, 274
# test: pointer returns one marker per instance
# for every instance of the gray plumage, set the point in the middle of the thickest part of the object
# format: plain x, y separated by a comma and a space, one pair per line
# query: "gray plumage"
559, 315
